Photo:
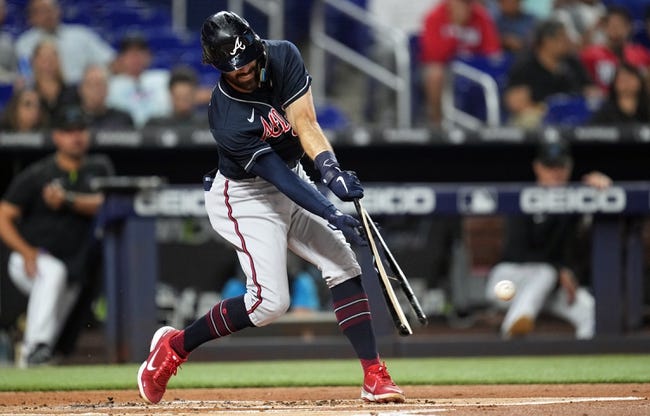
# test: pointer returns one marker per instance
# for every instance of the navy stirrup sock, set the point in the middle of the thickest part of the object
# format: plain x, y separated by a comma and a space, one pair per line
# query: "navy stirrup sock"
223, 319
353, 315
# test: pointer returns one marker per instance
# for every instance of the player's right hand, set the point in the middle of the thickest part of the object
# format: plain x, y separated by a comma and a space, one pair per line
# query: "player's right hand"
348, 225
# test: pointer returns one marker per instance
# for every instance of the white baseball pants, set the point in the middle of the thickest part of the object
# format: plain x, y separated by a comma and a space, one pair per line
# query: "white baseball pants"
50, 298
535, 283
262, 223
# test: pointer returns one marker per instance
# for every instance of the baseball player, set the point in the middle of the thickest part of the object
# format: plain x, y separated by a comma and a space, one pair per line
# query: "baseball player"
538, 255
260, 200
46, 219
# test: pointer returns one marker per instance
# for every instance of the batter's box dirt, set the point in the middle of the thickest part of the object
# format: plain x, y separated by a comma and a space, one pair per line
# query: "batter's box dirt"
510, 400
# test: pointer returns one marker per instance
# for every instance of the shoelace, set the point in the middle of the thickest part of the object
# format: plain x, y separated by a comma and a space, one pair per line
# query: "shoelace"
382, 372
167, 368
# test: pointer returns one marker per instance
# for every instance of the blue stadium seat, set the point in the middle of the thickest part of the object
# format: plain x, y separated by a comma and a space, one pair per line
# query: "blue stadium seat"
564, 109
6, 91
469, 96
331, 117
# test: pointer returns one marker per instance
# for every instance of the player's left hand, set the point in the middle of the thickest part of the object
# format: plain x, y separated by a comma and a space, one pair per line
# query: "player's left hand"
348, 225
345, 185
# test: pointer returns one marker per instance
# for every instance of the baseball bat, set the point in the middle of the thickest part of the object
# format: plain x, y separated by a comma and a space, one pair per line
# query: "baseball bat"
400, 276
399, 319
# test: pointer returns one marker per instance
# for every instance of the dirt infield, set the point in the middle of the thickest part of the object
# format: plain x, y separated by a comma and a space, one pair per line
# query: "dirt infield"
501, 400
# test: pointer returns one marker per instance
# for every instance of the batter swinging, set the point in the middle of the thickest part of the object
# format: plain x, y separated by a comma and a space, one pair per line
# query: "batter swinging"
260, 200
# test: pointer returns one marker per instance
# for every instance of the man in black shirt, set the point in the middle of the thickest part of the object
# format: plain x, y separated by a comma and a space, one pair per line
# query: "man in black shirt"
46, 219
538, 255
549, 69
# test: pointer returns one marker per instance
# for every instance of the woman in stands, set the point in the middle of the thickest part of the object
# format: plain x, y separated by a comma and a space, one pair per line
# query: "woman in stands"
23, 113
628, 100
48, 77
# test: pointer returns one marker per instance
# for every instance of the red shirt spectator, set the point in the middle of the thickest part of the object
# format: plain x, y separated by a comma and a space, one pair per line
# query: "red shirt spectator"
601, 61
443, 38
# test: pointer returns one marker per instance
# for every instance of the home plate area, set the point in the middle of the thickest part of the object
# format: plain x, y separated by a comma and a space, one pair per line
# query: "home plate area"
497, 400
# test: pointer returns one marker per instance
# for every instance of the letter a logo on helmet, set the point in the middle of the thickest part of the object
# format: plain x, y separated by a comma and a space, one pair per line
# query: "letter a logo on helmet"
238, 45
228, 42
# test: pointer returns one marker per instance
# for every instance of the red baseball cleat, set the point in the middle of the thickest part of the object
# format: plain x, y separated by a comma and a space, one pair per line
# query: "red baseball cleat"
379, 387
162, 363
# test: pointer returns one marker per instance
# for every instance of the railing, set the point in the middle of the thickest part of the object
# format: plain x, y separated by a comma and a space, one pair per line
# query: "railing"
274, 9
490, 91
322, 44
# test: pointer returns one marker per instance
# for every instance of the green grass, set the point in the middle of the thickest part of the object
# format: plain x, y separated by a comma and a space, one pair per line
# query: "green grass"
486, 370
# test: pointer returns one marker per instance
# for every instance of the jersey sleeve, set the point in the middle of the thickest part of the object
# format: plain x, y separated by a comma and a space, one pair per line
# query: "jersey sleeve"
22, 189
295, 80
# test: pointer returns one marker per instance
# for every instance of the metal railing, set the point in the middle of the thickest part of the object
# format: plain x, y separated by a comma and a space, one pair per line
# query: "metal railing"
274, 9
323, 44
490, 91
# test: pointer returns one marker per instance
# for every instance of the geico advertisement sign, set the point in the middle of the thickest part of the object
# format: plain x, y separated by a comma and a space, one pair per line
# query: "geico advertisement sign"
562, 200
170, 202
417, 200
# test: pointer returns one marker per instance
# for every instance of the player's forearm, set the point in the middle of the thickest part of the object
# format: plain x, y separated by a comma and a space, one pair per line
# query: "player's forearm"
272, 169
85, 204
11, 237
302, 117
312, 138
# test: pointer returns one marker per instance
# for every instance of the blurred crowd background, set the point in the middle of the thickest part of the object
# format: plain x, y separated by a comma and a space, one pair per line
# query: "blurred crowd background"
464, 63
434, 65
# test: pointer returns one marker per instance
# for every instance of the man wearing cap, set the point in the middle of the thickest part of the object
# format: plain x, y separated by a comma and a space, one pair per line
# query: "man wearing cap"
538, 255
46, 220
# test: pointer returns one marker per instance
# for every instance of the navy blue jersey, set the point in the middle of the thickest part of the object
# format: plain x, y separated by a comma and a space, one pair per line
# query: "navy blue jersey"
247, 125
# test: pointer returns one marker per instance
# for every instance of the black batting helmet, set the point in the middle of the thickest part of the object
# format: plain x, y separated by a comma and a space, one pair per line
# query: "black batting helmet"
228, 42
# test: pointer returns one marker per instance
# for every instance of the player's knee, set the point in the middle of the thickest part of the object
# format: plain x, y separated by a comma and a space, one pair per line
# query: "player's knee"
271, 309
54, 270
546, 275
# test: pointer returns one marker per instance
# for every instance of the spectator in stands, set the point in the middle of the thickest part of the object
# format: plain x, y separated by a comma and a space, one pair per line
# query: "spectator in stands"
454, 28
601, 60
538, 255
8, 61
581, 18
183, 89
92, 92
550, 69
48, 77
140, 91
515, 26
78, 45
45, 219
628, 100
23, 113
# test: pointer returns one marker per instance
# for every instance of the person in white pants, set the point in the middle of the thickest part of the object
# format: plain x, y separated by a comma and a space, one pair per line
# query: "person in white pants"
46, 218
538, 256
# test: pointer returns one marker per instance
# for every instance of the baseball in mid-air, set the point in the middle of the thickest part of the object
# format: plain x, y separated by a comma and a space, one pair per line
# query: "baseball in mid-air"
504, 289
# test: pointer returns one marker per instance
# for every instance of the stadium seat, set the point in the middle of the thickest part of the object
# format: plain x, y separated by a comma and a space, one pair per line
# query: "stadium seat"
563, 109
469, 96
6, 91
331, 117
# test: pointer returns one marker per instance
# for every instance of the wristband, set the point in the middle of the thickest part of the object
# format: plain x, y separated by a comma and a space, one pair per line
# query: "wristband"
327, 165
68, 200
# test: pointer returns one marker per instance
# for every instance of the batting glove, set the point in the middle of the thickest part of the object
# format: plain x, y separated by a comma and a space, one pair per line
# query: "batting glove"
348, 225
344, 183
